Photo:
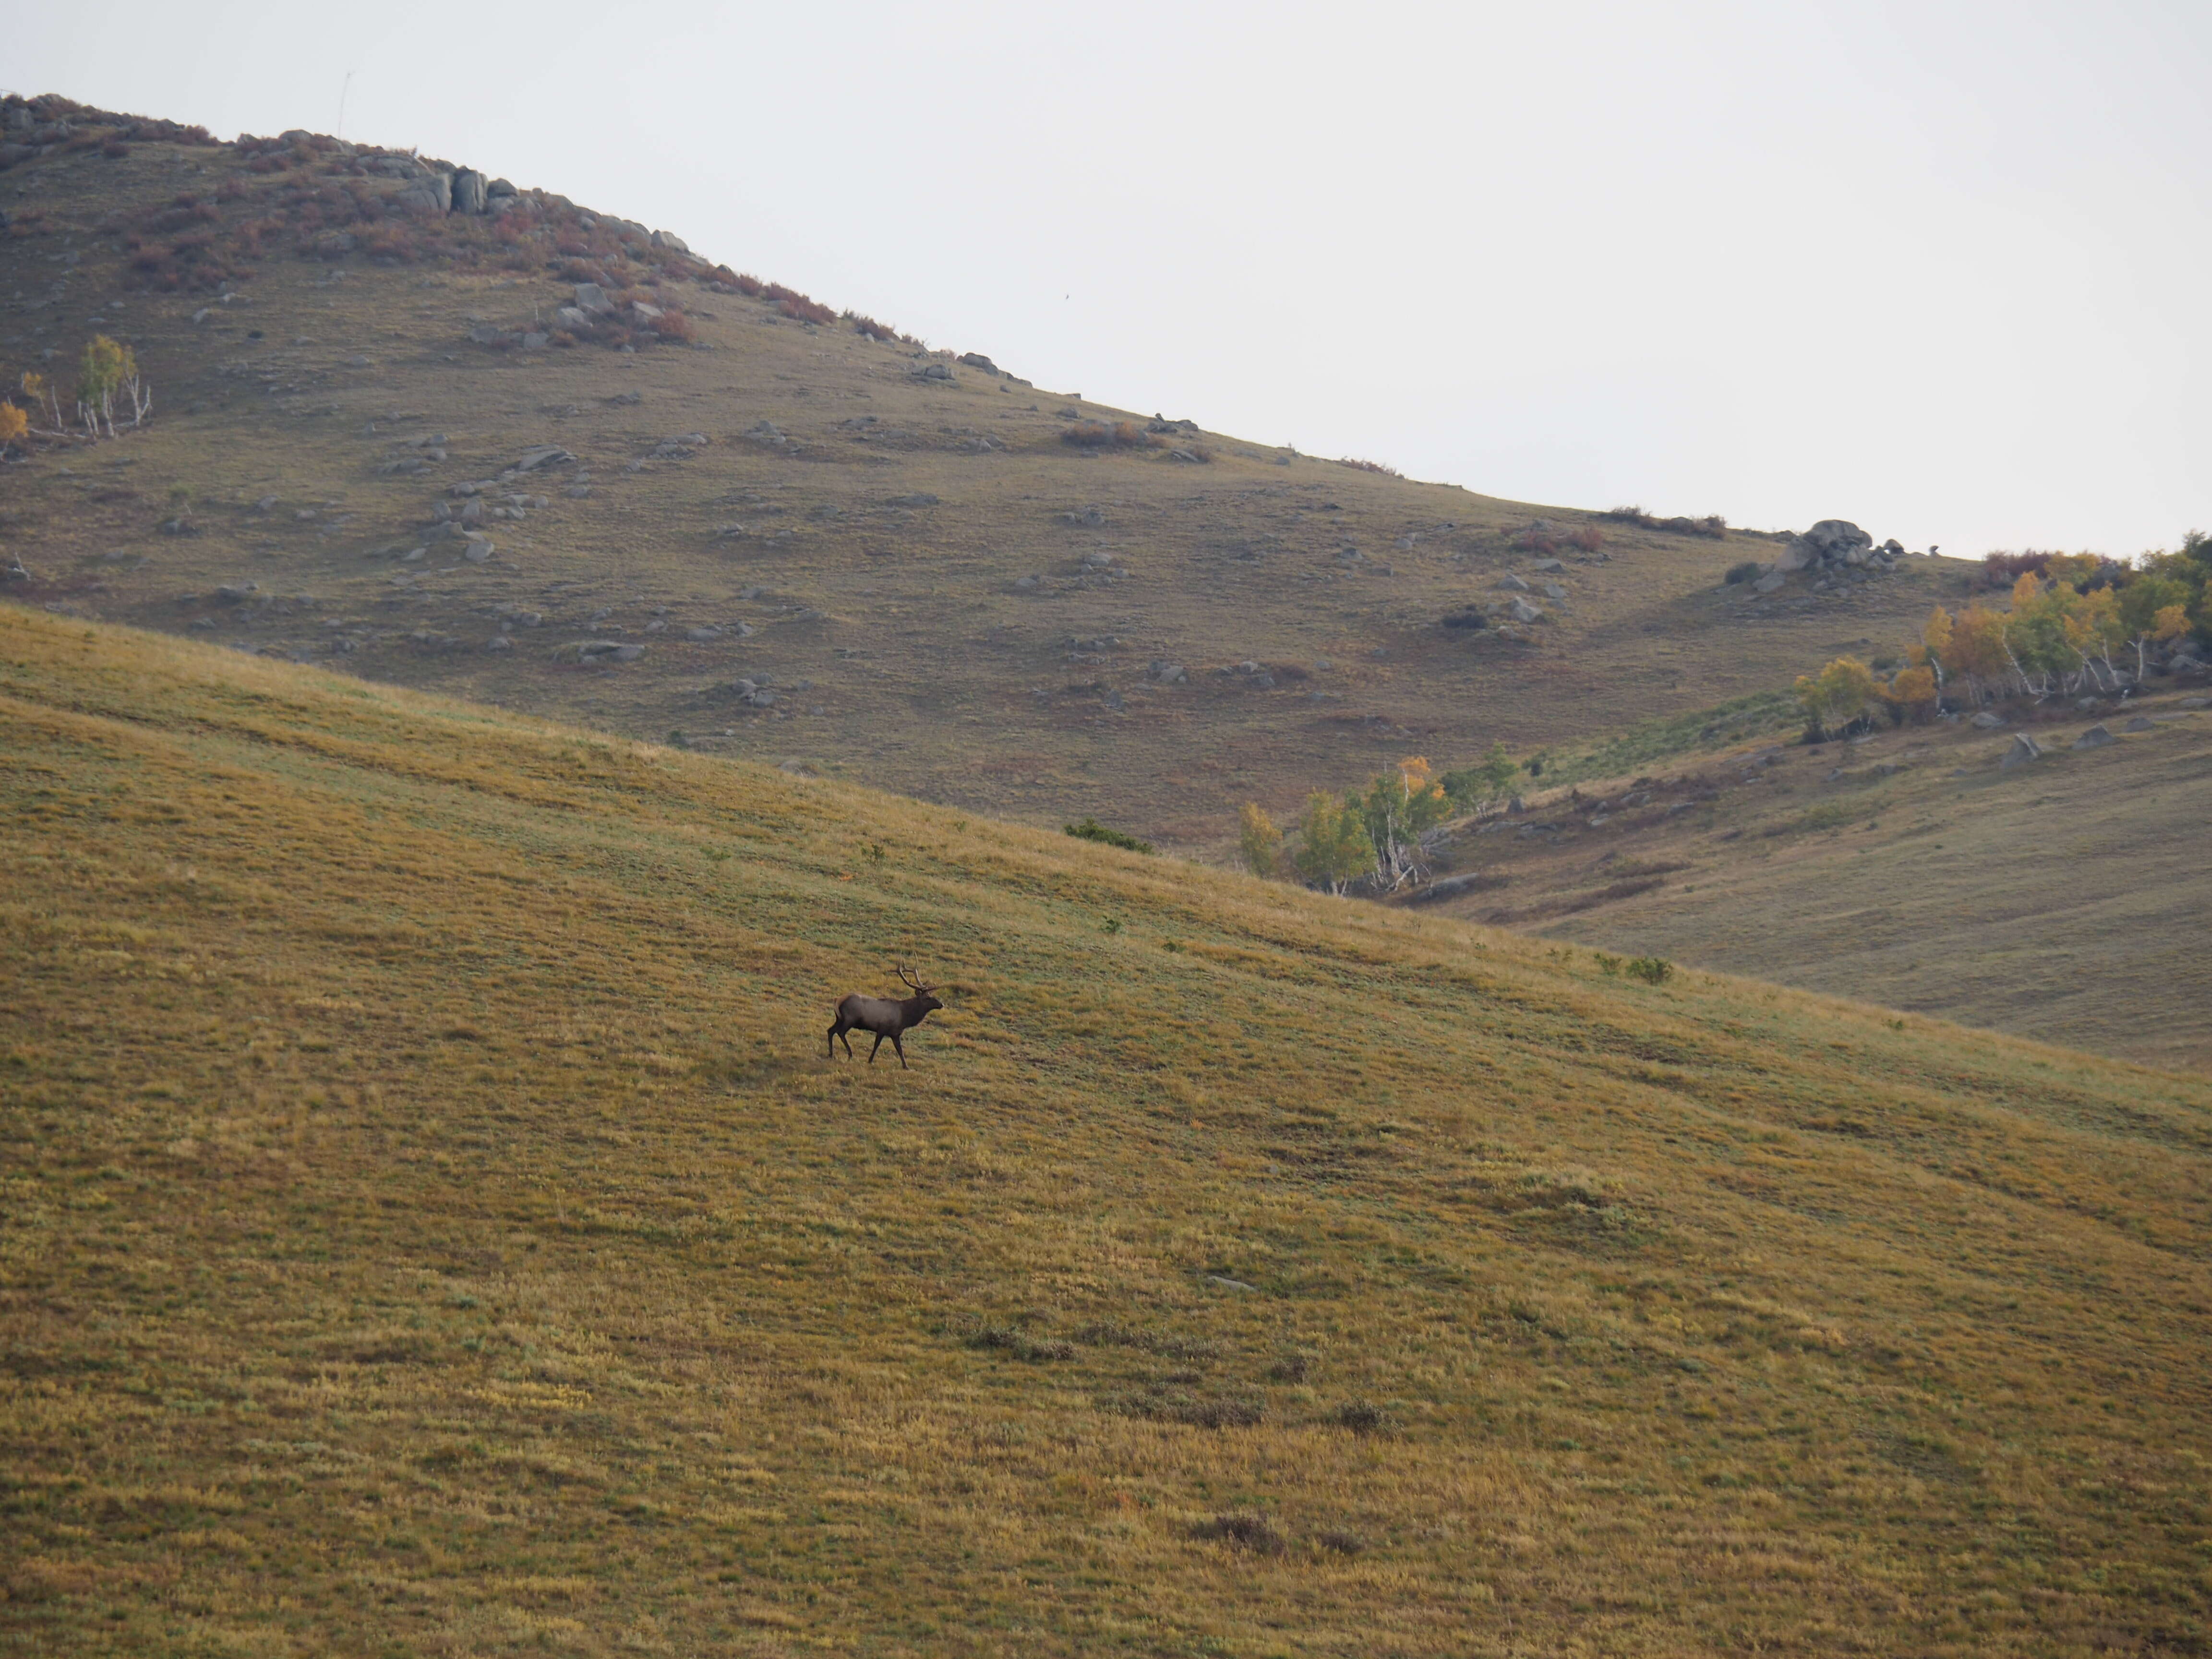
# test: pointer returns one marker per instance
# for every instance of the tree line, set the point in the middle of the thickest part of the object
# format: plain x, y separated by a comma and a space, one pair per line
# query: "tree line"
1371, 836
2069, 615
107, 378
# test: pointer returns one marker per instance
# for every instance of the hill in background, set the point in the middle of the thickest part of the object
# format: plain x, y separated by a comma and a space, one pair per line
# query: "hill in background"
430, 1223
830, 543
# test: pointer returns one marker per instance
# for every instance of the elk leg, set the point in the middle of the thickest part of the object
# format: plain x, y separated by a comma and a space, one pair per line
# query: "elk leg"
899, 1049
871, 1053
830, 1042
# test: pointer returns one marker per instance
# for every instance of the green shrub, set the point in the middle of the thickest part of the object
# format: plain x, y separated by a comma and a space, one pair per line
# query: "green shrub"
1091, 830
1652, 971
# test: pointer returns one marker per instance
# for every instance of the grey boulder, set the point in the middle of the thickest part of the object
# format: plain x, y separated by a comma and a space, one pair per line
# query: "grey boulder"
433, 193
605, 651
2024, 749
2095, 737
469, 190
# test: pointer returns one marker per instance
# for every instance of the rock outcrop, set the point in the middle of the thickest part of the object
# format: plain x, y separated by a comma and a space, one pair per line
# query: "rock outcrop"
1836, 545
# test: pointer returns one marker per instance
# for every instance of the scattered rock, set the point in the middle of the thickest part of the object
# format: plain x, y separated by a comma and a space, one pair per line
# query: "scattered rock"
605, 651
592, 299
1511, 583
1522, 611
541, 455
2095, 737
1989, 719
1768, 583
2024, 749
468, 191
977, 360
1549, 566
2139, 723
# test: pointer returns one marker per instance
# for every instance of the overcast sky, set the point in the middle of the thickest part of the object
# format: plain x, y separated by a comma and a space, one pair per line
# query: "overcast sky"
1939, 268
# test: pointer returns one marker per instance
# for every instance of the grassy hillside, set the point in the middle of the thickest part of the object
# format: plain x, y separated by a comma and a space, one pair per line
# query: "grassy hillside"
873, 527
2056, 900
430, 1226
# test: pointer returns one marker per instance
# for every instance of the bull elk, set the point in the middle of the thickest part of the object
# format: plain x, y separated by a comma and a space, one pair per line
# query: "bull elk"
883, 1016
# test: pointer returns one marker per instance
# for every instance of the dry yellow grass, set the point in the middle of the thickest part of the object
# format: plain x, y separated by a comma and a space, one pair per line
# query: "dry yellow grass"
429, 1226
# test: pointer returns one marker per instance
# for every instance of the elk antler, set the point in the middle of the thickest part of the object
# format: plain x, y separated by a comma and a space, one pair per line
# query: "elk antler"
910, 979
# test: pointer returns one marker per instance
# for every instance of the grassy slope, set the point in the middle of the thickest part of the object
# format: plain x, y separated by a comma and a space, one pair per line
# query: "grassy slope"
428, 1226
2057, 900
933, 675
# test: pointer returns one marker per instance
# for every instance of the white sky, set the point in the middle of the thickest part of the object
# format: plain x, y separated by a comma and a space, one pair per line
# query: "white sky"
1939, 268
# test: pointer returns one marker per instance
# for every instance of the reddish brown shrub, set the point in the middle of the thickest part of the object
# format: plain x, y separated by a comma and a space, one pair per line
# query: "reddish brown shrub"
1100, 434
1589, 540
750, 286
2001, 570
799, 309
674, 325
391, 244
1712, 526
1371, 466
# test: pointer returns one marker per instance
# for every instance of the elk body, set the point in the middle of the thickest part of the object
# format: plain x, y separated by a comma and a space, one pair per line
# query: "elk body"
885, 1017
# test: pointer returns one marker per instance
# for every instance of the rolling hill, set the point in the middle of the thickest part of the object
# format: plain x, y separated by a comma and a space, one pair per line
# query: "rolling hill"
429, 1225
833, 546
